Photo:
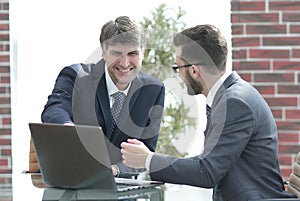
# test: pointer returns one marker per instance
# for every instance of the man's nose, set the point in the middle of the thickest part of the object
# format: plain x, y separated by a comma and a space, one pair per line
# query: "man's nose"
125, 61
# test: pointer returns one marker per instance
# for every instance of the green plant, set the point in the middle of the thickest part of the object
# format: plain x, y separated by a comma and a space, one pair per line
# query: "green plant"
159, 57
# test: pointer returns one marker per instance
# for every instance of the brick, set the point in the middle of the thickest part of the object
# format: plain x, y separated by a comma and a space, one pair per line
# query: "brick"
288, 149
5, 141
5, 131
286, 65
282, 101
254, 17
245, 41
285, 160
4, 27
281, 41
266, 29
291, 16
237, 29
277, 113
2, 91
5, 6
5, 152
284, 5
267, 53
5, 110
289, 126
3, 162
292, 113
4, 37
6, 121
295, 29
265, 89
5, 179
251, 65
4, 58
4, 69
239, 54
288, 89
296, 53
5, 171
4, 79
274, 77
4, 100
4, 16
247, 6
246, 76
285, 172
285, 137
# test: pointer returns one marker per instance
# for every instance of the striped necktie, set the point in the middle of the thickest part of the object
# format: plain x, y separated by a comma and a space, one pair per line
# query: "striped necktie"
119, 99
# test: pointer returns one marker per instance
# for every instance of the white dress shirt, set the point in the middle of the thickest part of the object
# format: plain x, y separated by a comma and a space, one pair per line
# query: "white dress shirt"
112, 88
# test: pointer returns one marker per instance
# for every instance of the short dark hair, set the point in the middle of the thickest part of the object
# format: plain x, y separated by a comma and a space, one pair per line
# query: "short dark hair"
123, 30
203, 44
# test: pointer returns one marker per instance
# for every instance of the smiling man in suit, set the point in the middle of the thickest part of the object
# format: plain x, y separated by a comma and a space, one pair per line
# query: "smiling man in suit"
240, 156
85, 93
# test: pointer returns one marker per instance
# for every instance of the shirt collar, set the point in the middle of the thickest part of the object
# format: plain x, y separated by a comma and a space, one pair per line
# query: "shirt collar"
111, 87
212, 92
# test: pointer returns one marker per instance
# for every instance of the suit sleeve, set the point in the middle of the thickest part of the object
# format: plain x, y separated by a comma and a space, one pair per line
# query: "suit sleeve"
150, 133
58, 108
228, 135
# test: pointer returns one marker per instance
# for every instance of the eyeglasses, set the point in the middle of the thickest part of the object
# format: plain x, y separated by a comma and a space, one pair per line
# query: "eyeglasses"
176, 67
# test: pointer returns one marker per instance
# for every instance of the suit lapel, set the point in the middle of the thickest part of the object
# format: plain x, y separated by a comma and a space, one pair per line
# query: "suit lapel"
102, 99
227, 83
220, 99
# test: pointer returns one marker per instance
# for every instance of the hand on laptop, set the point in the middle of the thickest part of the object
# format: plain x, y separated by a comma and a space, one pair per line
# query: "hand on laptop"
115, 170
134, 153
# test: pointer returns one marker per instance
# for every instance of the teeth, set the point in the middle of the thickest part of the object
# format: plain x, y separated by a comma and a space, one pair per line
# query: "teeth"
124, 71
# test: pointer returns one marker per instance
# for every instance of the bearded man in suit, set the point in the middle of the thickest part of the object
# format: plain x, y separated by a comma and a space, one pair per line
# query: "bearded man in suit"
240, 156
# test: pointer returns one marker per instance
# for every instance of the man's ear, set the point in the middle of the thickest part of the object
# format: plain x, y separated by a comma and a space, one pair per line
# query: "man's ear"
196, 71
103, 54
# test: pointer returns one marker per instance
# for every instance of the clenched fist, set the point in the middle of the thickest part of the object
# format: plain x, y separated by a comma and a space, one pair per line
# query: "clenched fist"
134, 153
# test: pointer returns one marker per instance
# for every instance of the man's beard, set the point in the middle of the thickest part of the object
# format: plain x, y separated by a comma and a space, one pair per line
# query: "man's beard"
193, 88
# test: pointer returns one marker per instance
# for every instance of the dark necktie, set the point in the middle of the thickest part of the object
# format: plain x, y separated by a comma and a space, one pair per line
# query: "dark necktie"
208, 119
119, 98
216, 191
207, 110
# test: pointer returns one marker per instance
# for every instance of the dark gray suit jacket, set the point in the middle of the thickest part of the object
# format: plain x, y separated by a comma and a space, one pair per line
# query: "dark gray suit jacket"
240, 156
80, 96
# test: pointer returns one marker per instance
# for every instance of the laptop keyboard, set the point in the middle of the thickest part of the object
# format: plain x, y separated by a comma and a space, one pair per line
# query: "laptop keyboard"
124, 187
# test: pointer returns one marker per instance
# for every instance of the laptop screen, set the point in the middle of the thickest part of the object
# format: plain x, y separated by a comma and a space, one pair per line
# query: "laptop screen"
76, 157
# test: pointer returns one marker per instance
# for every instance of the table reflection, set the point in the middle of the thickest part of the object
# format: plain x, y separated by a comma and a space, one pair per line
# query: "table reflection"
151, 194
23, 189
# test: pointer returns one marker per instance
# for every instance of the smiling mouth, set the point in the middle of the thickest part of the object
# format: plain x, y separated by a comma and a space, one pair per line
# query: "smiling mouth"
124, 70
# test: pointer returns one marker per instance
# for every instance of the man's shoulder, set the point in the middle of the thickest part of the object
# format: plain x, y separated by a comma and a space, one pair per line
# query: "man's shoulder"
146, 78
86, 69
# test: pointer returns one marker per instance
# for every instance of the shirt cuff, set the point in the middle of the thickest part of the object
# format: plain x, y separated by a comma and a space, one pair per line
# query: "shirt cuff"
148, 160
69, 123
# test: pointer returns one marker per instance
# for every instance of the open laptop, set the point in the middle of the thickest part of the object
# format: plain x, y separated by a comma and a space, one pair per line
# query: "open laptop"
76, 157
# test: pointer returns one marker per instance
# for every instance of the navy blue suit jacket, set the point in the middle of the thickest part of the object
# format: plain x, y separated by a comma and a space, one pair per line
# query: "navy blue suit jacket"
240, 157
80, 96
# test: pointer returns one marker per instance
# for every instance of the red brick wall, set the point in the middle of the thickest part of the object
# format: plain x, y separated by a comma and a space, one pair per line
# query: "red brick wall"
266, 52
5, 101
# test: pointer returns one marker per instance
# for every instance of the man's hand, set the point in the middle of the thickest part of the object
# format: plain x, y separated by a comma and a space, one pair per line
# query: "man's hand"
134, 153
115, 170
